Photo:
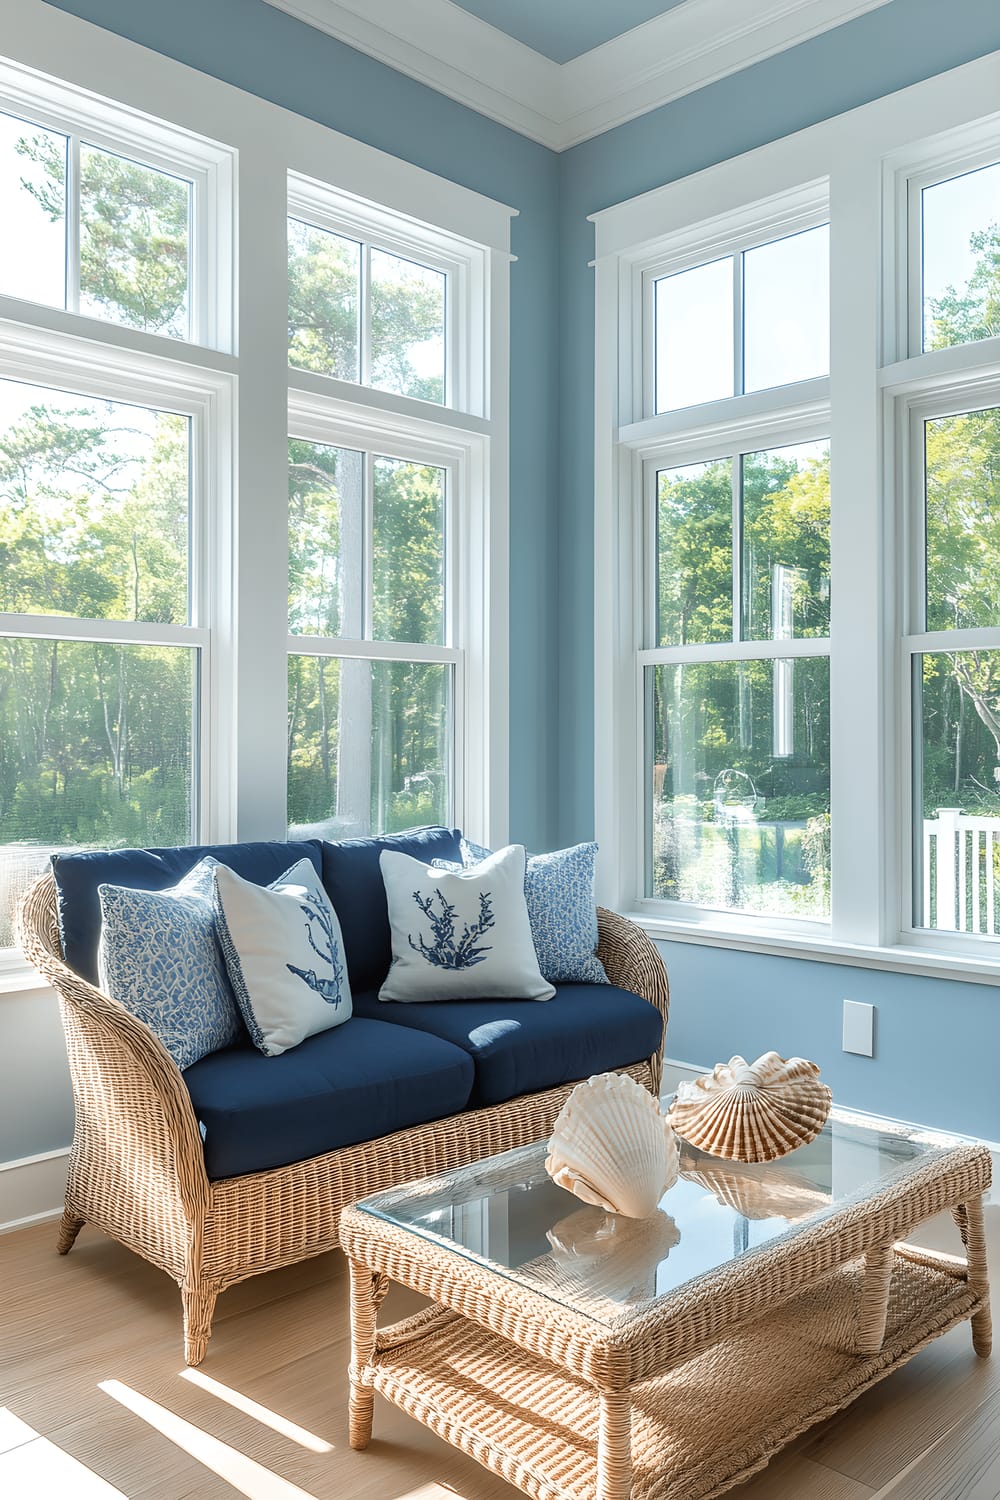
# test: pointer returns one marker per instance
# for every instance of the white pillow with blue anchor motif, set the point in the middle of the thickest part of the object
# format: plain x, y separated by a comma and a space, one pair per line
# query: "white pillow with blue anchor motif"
158, 956
460, 935
284, 953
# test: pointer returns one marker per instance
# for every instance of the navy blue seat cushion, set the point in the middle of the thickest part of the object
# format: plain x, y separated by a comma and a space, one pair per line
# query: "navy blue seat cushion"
359, 1081
78, 876
521, 1046
353, 880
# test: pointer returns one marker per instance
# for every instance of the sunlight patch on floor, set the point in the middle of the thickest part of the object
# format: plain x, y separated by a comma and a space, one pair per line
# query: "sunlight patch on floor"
262, 1414
245, 1475
31, 1465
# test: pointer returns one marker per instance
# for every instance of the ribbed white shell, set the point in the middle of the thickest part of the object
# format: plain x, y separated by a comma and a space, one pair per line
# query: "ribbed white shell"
612, 1146
752, 1112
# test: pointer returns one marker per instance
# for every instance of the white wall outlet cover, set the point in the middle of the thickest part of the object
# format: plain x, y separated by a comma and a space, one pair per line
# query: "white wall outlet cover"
859, 1028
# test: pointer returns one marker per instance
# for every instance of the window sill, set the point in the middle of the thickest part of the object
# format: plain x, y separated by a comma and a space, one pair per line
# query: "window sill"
17, 975
818, 949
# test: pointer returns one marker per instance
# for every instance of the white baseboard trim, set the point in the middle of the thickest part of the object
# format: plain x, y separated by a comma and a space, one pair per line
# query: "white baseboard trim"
32, 1189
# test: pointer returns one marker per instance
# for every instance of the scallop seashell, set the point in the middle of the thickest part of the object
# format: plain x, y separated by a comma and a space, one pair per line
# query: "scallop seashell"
612, 1146
752, 1111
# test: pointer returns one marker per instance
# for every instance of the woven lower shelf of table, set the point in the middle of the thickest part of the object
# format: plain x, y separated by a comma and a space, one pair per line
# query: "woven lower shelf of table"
696, 1431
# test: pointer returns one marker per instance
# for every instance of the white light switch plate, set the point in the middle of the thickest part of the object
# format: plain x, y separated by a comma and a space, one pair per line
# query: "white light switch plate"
859, 1028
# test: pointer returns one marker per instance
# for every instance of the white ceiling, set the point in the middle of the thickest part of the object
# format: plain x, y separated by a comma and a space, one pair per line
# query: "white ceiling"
564, 29
688, 45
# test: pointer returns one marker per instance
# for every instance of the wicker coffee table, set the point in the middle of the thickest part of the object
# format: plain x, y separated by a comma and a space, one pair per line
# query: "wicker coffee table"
582, 1356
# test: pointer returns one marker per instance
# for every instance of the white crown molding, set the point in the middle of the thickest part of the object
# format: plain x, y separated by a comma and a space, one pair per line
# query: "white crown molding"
560, 105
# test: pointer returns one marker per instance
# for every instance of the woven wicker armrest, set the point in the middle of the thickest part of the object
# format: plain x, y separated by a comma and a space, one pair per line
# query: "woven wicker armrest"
132, 1105
632, 962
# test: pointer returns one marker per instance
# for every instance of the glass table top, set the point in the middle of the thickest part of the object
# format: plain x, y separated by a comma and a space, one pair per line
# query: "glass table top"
506, 1213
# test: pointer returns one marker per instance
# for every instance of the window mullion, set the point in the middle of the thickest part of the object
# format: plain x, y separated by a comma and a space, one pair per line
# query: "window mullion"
862, 550
365, 313
737, 514
738, 374
73, 225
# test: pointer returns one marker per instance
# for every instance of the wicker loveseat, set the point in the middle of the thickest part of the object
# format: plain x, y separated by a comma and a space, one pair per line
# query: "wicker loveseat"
141, 1169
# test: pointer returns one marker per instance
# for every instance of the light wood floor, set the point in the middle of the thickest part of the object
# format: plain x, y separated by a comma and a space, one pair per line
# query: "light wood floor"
95, 1402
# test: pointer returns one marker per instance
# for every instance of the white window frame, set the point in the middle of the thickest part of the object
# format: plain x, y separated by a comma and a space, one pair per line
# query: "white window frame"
462, 263
875, 160
62, 362
125, 97
464, 457
209, 167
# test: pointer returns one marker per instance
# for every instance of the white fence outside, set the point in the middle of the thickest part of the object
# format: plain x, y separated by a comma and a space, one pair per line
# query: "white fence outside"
961, 858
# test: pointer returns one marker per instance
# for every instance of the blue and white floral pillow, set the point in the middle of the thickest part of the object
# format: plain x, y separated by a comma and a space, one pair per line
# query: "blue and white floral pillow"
284, 954
460, 934
159, 957
559, 892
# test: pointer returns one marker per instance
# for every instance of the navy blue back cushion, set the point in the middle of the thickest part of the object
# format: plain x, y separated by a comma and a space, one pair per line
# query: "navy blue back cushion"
77, 877
353, 879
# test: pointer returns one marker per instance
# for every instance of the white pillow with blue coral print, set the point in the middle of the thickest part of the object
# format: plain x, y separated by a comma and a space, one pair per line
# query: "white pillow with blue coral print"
460, 935
559, 891
159, 957
285, 955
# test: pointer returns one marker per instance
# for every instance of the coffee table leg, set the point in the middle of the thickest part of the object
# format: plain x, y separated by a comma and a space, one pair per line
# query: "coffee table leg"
367, 1291
969, 1218
614, 1446
874, 1299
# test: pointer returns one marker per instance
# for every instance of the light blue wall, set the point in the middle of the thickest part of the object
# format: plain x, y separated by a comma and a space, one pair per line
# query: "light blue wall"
936, 1041
268, 53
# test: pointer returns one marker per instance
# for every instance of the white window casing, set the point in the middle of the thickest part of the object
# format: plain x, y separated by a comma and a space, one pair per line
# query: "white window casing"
869, 165
243, 156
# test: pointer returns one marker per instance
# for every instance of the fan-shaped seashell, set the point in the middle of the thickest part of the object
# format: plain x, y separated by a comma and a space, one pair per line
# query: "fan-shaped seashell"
612, 1146
752, 1111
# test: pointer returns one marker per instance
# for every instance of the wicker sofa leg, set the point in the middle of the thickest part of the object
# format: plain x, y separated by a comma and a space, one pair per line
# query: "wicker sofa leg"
199, 1305
68, 1230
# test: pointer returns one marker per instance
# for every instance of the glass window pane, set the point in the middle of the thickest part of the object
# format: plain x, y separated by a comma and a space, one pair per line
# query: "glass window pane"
740, 785
32, 212
786, 314
326, 518
135, 226
961, 257
694, 539
97, 750
407, 328
369, 746
94, 507
962, 458
956, 699
786, 543
324, 302
408, 546
694, 336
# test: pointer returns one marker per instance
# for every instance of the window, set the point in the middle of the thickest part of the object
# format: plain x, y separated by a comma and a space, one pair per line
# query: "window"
798, 545
170, 672
383, 500
735, 673
370, 736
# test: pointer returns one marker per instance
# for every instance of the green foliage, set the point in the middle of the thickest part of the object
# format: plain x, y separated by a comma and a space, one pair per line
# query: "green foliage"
134, 233
324, 300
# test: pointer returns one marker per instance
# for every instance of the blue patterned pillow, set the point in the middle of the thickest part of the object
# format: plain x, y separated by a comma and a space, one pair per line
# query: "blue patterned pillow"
160, 958
559, 891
